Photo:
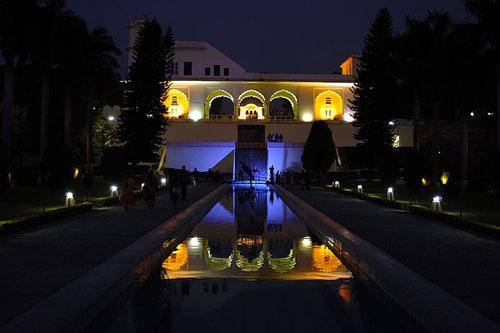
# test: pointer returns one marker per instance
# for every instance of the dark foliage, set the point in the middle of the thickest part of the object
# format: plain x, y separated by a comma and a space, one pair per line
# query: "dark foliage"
57, 166
319, 150
374, 90
142, 123
114, 164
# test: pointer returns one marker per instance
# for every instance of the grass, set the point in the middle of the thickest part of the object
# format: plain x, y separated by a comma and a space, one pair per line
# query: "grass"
476, 207
35, 200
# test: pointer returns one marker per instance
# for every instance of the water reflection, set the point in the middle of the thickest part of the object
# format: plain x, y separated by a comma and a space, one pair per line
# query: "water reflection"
251, 234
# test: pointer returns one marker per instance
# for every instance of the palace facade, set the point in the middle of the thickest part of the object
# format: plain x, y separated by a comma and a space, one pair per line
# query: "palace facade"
221, 114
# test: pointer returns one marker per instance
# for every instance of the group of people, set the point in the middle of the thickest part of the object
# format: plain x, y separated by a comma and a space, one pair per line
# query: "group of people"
150, 186
275, 137
251, 114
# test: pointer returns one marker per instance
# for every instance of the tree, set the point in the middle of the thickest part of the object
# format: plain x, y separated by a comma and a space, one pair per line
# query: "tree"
374, 91
142, 122
319, 150
15, 30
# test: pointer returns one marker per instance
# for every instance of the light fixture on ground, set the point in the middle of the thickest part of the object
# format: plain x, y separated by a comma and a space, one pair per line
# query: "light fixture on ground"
436, 203
390, 194
114, 191
163, 181
336, 184
195, 115
70, 200
142, 185
360, 188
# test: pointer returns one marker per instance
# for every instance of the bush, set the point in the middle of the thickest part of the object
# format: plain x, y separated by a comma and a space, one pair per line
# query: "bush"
114, 164
57, 166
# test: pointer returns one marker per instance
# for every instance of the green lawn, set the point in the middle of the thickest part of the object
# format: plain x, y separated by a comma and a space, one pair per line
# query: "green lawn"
34, 200
477, 207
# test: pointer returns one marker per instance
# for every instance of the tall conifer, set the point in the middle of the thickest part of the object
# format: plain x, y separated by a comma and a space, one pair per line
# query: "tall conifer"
142, 122
374, 91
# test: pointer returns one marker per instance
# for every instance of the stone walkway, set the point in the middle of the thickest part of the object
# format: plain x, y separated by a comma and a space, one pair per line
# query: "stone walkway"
465, 264
37, 262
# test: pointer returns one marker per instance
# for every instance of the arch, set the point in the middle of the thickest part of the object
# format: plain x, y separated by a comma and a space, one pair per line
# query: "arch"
251, 93
177, 104
289, 96
213, 95
328, 105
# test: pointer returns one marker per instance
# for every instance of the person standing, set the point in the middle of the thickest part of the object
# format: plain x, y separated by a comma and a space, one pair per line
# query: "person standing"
271, 174
184, 182
149, 190
128, 191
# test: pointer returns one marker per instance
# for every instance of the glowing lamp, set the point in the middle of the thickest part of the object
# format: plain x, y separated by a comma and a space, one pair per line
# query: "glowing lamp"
436, 203
111, 118
195, 115
390, 194
392, 123
163, 181
336, 184
445, 177
307, 117
142, 185
70, 200
114, 191
472, 114
360, 188
76, 172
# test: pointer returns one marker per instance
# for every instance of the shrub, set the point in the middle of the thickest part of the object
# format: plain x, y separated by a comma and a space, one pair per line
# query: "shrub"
57, 166
114, 164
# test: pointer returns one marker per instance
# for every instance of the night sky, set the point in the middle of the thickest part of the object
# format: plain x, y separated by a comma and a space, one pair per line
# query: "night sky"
292, 36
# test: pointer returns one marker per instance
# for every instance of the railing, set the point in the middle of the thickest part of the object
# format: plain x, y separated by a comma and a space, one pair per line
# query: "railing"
251, 145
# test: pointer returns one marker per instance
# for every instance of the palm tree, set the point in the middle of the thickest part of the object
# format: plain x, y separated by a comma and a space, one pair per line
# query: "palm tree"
89, 68
15, 28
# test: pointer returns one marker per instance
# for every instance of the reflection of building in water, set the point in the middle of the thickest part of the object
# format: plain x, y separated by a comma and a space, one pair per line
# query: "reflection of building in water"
177, 259
218, 253
323, 259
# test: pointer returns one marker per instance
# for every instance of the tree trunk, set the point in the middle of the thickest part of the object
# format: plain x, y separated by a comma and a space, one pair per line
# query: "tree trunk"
498, 98
89, 139
67, 118
44, 112
416, 121
464, 154
435, 143
8, 107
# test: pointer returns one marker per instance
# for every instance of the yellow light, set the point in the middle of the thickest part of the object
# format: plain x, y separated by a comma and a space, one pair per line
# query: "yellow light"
307, 117
324, 260
76, 172
445, 177
424, 181
177, 259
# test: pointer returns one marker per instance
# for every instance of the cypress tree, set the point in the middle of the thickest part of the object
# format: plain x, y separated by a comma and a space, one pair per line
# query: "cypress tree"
319, 150
374, 91
142, 122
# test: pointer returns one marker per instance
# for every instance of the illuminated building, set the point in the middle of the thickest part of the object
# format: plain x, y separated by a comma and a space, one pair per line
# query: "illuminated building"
218, 109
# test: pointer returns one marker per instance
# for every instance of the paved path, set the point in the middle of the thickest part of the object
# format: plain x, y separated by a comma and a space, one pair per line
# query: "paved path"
464, 264
36, 262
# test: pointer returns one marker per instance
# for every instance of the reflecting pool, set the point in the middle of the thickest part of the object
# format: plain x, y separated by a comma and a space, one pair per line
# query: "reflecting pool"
251, 264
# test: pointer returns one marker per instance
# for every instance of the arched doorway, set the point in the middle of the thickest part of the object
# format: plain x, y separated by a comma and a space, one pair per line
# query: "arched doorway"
283, 105
328, 106
251, 105
219, 104
177, 104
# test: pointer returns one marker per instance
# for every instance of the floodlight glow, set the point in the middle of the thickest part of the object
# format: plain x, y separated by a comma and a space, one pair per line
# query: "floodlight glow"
360, 188
390, 190
490, 113
390, 194
163, 181
111, 118
392, 123
113, 188
307, 117
142, 185
437, 199
69, 195
348, 117
195, 115
472, 114
70, 200
336, 184
306, 241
